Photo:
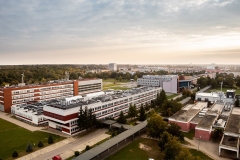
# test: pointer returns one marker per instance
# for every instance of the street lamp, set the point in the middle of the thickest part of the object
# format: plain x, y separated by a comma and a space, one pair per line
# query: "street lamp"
199, 142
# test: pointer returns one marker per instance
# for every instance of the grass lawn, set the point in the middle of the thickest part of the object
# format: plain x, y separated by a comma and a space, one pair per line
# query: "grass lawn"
190, 134
134, 152
113, 84
114, 80
172, 96
15, 138
223, 89
200, 154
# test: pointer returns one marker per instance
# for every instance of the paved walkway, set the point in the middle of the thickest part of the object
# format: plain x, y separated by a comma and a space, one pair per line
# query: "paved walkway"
67, 147
207, 147
7, 117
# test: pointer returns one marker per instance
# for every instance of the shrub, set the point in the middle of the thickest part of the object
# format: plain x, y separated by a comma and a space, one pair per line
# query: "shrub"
40, 144
15, 154
29, 148
50, 140
76, 153
87, 147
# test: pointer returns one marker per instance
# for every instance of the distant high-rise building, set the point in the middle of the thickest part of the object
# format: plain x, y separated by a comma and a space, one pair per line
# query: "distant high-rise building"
112, 66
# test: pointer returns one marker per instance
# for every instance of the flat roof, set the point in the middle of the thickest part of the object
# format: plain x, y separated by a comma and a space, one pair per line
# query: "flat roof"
217, 107
230, 141
187, 107
185, 116
200, 105
213, 94
233, 124
236, 111
207, 122
196, 119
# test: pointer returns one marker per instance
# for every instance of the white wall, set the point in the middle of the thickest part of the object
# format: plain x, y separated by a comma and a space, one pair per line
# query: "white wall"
1, 107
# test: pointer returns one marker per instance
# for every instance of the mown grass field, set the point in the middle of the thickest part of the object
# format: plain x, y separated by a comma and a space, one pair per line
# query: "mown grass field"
172, 96
114, 84
224, 90
15, 138
134, 152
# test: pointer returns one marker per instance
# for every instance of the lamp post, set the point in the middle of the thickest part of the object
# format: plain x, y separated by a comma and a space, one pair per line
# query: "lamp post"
199, 142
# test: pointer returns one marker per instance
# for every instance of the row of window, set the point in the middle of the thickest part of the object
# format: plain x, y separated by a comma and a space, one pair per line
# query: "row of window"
22, 100
23, 96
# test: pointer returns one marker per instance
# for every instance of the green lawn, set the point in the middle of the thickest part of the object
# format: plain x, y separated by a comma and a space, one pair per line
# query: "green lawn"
223, 89
172, 96
114, 80
113, 84
200, 154
133, 151
190, 134
15, 138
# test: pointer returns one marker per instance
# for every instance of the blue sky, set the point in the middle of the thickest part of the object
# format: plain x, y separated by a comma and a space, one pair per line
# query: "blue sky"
122, 31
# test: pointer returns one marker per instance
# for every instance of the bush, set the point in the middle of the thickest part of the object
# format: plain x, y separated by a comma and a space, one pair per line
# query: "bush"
29, 148
87, 147
50, 140
76, 153
15, 154
40, 144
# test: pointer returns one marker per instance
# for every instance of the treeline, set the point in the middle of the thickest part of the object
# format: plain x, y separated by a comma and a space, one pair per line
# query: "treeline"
228, 80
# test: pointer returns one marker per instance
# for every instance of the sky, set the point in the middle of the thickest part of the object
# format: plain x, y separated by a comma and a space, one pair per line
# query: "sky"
119, 31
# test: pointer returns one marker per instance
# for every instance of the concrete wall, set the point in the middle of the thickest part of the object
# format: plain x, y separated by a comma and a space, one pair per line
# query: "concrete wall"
185, 126
203, 134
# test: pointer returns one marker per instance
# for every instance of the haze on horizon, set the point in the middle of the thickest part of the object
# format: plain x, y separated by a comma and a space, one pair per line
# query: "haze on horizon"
126, 32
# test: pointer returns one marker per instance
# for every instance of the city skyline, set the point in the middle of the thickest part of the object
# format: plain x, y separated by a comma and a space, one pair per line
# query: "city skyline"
125, 32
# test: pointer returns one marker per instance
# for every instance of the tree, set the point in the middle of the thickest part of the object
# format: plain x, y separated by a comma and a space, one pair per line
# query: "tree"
40, 144
186, 93
172, 148
86, 119
142, 116
170, 107
15, 154
164, 138
237, 102
155, 126
193, 96
50, 140
29, 148
214, 83
122, 118
185, 154
132, 111
175, 130
135, 78
161, 98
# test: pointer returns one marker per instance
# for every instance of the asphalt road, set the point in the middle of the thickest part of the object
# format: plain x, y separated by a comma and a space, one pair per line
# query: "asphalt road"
73, 144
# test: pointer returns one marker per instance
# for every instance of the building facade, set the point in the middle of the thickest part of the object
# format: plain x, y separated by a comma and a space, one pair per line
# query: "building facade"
112, 66
63, 116
167, 82
16, 95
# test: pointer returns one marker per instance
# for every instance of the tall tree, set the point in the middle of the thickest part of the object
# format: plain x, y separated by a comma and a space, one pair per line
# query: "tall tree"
175, 130
122, 118
86, 119
164, 138
155, 126
172, 149
170, 107
132, 111
161, 98
142, 116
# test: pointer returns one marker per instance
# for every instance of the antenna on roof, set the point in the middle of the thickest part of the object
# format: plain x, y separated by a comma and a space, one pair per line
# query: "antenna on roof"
22, 77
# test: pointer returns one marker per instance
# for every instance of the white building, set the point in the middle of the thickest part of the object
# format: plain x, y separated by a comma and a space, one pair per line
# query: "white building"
214, 96
112, 66
212, 66
63, 116
168, 82
30, 113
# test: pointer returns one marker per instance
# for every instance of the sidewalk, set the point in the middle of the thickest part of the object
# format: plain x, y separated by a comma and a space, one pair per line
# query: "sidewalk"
207, 147
8, 118
67, 147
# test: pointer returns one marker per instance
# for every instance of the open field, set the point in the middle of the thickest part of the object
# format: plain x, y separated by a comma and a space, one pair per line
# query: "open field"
150, 149
116, 85
170, 96
223, 89
15, 138
134, 152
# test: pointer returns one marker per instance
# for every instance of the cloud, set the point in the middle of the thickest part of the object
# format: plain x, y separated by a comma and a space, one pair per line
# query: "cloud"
120, 26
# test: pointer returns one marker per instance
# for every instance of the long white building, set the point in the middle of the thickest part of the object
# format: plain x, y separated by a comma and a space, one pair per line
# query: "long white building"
63, 115
167, 82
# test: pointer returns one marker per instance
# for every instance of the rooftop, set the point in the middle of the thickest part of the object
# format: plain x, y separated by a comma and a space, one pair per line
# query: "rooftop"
230, 141
207, 122
233, 124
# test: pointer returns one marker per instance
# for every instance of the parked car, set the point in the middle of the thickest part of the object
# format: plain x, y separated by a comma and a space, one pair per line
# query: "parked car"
57, 157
